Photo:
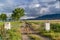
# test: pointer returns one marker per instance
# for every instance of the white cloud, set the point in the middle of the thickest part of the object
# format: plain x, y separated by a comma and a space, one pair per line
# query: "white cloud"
26, 13
44, 10
27, 17
1, 4
34, 5
22, 6
37, 5
57, 5
10, 2
47, 0
35, 2
33, 8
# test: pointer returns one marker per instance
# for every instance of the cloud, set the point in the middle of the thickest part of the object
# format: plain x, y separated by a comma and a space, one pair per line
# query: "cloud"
9, 1
47, 0
31, 7
27, 17
57, 5
44, 10
1, 5
34, 5
37, 5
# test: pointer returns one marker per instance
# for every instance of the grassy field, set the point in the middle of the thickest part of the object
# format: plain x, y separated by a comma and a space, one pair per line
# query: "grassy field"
12, 34
54, 33
38, 25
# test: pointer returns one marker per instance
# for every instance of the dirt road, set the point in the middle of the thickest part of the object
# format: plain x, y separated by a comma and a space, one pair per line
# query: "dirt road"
25, 37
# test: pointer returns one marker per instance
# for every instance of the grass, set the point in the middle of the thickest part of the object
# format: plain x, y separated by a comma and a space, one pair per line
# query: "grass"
15, 33
1, 23
34, 37
53, 35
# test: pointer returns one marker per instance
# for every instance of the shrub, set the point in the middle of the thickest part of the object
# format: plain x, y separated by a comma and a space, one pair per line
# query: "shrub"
14, 34
55, 27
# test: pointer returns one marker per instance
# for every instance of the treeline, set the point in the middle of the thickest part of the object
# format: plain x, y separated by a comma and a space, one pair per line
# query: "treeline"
17, 13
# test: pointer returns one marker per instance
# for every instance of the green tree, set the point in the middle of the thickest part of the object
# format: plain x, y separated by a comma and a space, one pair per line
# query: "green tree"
3, 17
17, 13
0, 17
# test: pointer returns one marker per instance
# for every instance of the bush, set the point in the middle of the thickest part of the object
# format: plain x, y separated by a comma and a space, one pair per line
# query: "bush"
14, 34
55, 27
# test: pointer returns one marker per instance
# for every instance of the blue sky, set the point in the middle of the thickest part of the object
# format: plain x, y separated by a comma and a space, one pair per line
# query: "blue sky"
32, 8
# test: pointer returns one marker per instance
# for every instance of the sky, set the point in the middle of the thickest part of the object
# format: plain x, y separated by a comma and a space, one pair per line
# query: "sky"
33, 8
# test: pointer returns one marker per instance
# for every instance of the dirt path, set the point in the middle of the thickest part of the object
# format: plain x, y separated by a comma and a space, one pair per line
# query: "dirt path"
25, 37
44, 38
29, 30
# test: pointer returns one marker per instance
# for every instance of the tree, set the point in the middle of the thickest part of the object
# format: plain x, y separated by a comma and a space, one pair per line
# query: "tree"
3, 17
0, 17
17, 13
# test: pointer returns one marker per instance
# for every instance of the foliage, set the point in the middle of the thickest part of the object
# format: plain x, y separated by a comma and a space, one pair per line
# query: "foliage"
17, 13
14, 34
3, 17
55, 27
